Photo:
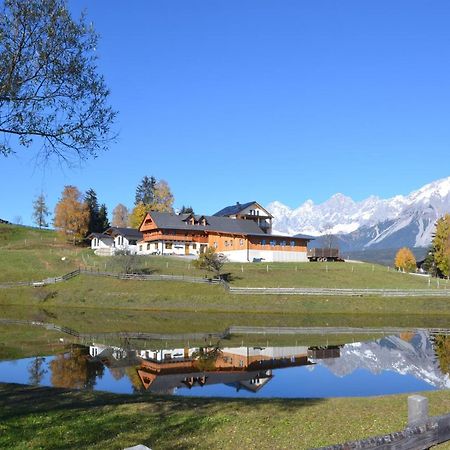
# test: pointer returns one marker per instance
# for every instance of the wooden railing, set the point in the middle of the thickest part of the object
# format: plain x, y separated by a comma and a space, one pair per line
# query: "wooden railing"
421, 433
241, 290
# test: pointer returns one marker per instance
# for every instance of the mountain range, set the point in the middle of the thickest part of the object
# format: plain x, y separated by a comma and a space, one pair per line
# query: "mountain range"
371, 224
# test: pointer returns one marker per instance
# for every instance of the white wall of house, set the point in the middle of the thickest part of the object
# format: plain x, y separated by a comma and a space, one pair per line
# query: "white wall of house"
167, 248
267, 255
103, 242
123, 243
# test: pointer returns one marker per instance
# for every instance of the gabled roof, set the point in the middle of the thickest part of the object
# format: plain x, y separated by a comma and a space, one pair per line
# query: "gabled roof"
132, 233
99, 236
237, 208
219, 224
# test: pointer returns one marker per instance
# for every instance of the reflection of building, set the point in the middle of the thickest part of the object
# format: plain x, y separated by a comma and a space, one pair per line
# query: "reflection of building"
247, 368
163, 371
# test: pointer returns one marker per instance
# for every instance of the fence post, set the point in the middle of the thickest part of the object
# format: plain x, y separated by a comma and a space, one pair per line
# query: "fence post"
417, 409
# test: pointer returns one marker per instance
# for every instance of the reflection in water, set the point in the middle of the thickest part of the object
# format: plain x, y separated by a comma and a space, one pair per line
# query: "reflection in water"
250, 368
37, 371
74, 369
403, 363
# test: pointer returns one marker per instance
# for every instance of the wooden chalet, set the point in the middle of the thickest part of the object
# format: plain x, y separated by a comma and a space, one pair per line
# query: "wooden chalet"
242, 232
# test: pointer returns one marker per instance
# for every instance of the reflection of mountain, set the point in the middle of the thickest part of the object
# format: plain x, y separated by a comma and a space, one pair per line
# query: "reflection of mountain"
415, 356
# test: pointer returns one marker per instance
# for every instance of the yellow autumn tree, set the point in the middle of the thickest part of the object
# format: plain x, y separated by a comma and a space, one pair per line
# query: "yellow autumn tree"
405, 260
441, 245
163, 197
162, 201
138, 214
72, 214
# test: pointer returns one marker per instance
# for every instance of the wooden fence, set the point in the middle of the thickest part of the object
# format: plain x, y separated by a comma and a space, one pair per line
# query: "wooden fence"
421, 433
323, 292
340, 292
120, 276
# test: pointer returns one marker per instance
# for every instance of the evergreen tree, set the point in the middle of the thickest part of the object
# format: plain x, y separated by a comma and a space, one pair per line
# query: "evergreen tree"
145, 192
186, 210
40, 211
91, 201
103, 217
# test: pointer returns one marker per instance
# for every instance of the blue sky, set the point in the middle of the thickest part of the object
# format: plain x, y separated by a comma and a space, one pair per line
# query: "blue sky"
261, 100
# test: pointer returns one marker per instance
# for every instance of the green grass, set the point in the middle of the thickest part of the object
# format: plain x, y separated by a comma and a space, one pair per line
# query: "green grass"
31, 254
36, 418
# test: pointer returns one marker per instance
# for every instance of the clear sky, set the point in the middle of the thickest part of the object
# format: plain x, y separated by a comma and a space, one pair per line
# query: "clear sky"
261, 100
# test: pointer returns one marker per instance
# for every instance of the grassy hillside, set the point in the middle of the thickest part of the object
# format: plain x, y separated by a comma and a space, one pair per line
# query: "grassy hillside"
30, 254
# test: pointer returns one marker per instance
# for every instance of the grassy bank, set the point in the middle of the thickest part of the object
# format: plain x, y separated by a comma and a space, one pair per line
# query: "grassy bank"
29, 254
55, 418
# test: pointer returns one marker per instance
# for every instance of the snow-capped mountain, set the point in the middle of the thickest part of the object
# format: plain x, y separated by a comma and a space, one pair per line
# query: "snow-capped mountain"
372, 223
415, 357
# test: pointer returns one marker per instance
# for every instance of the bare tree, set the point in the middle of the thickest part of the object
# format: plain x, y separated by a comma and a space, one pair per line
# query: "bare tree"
40, 211
120, 216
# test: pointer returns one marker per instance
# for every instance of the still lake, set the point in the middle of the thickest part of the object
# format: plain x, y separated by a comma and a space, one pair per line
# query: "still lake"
393, 364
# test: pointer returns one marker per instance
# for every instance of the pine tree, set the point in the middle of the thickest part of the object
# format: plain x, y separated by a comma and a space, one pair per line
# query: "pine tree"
145, 192
92, 203
40, 211
186, 210
103, 221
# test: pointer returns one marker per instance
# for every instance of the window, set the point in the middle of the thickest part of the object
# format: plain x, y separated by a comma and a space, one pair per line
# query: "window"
292, 243
194, 246
133, 242
156, 246
168, 245
273, 243
263, 242
283, 243
148, 246
140, 248
241, 242
215, 244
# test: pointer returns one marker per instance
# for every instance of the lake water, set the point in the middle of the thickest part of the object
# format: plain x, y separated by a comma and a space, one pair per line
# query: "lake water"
390, 365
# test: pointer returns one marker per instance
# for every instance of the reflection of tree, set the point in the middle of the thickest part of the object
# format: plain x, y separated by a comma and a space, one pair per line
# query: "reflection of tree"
74, 370
36, 371
135, 380
442, 351
206, 357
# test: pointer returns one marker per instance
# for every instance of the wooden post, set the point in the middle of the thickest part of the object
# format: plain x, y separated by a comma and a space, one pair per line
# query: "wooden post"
417, 410
267, 267
242, 268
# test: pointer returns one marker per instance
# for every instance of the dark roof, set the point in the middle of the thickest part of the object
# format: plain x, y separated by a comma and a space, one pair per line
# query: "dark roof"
233, 209
171, 221
99, 235
304, 236
215, 223
126, 232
